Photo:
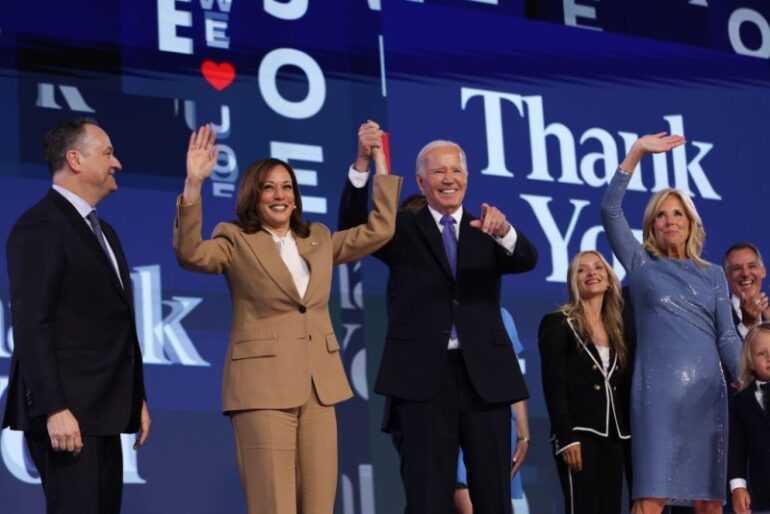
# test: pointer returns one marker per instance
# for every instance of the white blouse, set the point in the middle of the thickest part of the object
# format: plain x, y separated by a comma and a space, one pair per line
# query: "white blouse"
287, 249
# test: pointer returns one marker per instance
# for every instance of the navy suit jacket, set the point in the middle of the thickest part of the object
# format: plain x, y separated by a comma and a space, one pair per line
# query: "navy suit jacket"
75, 342
425, 298
749, 455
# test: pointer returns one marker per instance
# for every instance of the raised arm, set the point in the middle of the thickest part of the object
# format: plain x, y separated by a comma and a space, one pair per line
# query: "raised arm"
360, 241
212, 256
355, 196
621, 238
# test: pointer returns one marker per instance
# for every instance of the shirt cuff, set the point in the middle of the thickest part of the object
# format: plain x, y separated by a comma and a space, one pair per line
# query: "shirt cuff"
565, 447
357, 178
508, 241
737, 483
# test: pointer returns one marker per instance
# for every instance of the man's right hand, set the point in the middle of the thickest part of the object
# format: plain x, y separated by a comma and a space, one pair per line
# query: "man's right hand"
64, 431
369, 136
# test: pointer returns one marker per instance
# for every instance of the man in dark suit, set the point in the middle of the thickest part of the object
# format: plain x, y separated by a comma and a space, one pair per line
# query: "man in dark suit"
76, 375
745, 271
448, 368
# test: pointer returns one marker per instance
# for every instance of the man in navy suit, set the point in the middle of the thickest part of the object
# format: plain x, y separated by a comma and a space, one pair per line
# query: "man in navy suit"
448, 369
76, 375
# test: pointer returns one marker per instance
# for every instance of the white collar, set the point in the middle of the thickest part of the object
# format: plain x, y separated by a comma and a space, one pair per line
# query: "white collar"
457, 215
83, 207
736, 303
278, 239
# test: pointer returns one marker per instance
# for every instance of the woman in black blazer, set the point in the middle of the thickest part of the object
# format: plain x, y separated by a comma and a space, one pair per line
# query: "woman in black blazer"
585, 372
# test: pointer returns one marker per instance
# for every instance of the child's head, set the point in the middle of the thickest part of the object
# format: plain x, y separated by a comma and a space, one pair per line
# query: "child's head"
755, 355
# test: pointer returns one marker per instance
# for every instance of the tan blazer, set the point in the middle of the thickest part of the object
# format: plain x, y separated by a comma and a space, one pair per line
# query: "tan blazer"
280, 342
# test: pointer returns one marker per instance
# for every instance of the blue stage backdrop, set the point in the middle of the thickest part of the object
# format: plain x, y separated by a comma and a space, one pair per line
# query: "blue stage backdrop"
544, 95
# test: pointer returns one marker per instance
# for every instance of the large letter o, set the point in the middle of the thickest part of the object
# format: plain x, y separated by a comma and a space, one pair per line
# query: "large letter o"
316, 94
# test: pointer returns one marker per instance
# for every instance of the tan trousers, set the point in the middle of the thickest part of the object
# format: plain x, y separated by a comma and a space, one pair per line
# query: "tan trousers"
288, 458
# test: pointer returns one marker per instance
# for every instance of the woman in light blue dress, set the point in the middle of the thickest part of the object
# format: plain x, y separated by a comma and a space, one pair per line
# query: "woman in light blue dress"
685, 335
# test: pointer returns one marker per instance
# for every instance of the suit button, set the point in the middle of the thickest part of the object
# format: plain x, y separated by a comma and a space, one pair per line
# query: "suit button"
614, 388
455, 302
302, 309
594, 367
597, 387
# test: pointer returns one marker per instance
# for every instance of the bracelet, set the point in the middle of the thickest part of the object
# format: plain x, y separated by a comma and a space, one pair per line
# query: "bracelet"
523, 438
624, 172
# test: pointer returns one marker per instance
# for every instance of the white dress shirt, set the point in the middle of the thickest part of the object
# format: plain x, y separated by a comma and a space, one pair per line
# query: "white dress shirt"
742, 329
759, 394
287, 249
508, 241
84, 209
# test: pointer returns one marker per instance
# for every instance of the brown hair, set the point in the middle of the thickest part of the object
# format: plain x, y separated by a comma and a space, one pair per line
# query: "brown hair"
413, 203
612, 307
62, 138
248, 198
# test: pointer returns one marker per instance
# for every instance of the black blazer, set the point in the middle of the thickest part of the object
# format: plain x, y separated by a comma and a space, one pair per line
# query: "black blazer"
578, 395
424, 298
749, 454
76, 344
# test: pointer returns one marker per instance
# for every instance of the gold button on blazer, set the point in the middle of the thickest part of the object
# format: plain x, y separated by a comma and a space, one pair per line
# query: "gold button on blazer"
280, 342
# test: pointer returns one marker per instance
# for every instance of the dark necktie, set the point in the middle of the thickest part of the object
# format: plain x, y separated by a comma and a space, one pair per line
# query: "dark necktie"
450, 247
765, 396
94, 221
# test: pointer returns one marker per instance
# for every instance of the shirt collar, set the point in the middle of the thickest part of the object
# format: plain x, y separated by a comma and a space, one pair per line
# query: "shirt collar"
760, 383
279, 239
83, 207
457, 215
736, 304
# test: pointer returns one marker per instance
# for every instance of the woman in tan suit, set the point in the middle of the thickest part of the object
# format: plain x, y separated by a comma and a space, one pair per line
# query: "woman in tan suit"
283, 372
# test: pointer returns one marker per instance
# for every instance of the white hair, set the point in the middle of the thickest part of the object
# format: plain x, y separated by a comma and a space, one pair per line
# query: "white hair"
439, 143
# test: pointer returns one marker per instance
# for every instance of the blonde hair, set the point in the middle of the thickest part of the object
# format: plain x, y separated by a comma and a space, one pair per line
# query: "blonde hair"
695, 238
744, 364
612, 307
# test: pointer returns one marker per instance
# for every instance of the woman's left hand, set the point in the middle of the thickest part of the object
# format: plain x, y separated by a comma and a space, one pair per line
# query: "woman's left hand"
380, 162
522, 446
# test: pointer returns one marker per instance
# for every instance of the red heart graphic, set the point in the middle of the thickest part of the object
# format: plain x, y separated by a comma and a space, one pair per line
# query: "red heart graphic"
218, 75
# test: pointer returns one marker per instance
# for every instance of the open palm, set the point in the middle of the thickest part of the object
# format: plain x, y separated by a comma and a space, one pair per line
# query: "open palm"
201, 153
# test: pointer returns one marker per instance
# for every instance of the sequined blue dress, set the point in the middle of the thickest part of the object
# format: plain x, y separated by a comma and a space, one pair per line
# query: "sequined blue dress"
678, 393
